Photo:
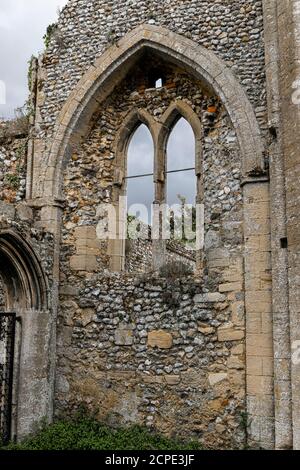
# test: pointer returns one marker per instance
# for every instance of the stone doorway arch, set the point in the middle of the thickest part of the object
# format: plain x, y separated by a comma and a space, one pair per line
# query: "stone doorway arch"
22, 274
24, 342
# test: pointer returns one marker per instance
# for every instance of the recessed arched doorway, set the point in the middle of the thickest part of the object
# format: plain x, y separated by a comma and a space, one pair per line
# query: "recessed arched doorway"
23, 298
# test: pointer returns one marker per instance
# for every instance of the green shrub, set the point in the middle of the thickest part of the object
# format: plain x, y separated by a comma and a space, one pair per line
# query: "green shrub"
12, 180
51, 28
84, 433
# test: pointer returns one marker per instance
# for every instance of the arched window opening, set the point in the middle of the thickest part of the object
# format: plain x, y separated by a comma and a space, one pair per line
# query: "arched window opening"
159, 83
161, 162
156, 79
181, 181
140, 187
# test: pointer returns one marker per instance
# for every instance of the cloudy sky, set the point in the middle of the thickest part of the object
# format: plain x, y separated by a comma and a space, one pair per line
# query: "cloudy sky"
22, 26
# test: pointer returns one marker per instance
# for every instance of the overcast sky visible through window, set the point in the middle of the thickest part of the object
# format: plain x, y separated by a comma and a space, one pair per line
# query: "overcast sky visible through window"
180, 155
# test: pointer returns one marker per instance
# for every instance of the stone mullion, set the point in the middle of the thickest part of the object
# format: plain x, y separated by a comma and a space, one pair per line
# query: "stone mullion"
160, 161
199, 174
116, 245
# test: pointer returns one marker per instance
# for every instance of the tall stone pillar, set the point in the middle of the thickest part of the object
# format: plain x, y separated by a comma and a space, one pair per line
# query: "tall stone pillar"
288, 30
280, 291
258, 303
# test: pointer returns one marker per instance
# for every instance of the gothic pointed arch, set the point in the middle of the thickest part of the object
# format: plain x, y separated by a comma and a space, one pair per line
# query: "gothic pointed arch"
132, 121
180, 109
176, 110
27, 304
22, 275
113, 66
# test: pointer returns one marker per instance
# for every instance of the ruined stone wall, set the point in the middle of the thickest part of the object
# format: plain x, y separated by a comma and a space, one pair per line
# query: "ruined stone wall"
152, 351
177, 344
139, 255
139, 252
89, 177
168, 353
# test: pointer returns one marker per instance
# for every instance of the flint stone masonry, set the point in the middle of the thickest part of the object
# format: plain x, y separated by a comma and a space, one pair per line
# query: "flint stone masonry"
13, 152
144, 329
90, 175
141, 347
233, 31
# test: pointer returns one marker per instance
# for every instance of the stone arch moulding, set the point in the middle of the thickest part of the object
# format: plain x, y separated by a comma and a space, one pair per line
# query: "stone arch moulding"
23, 277
26, 290
132, 121
179, 109
114, 64
136, 117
